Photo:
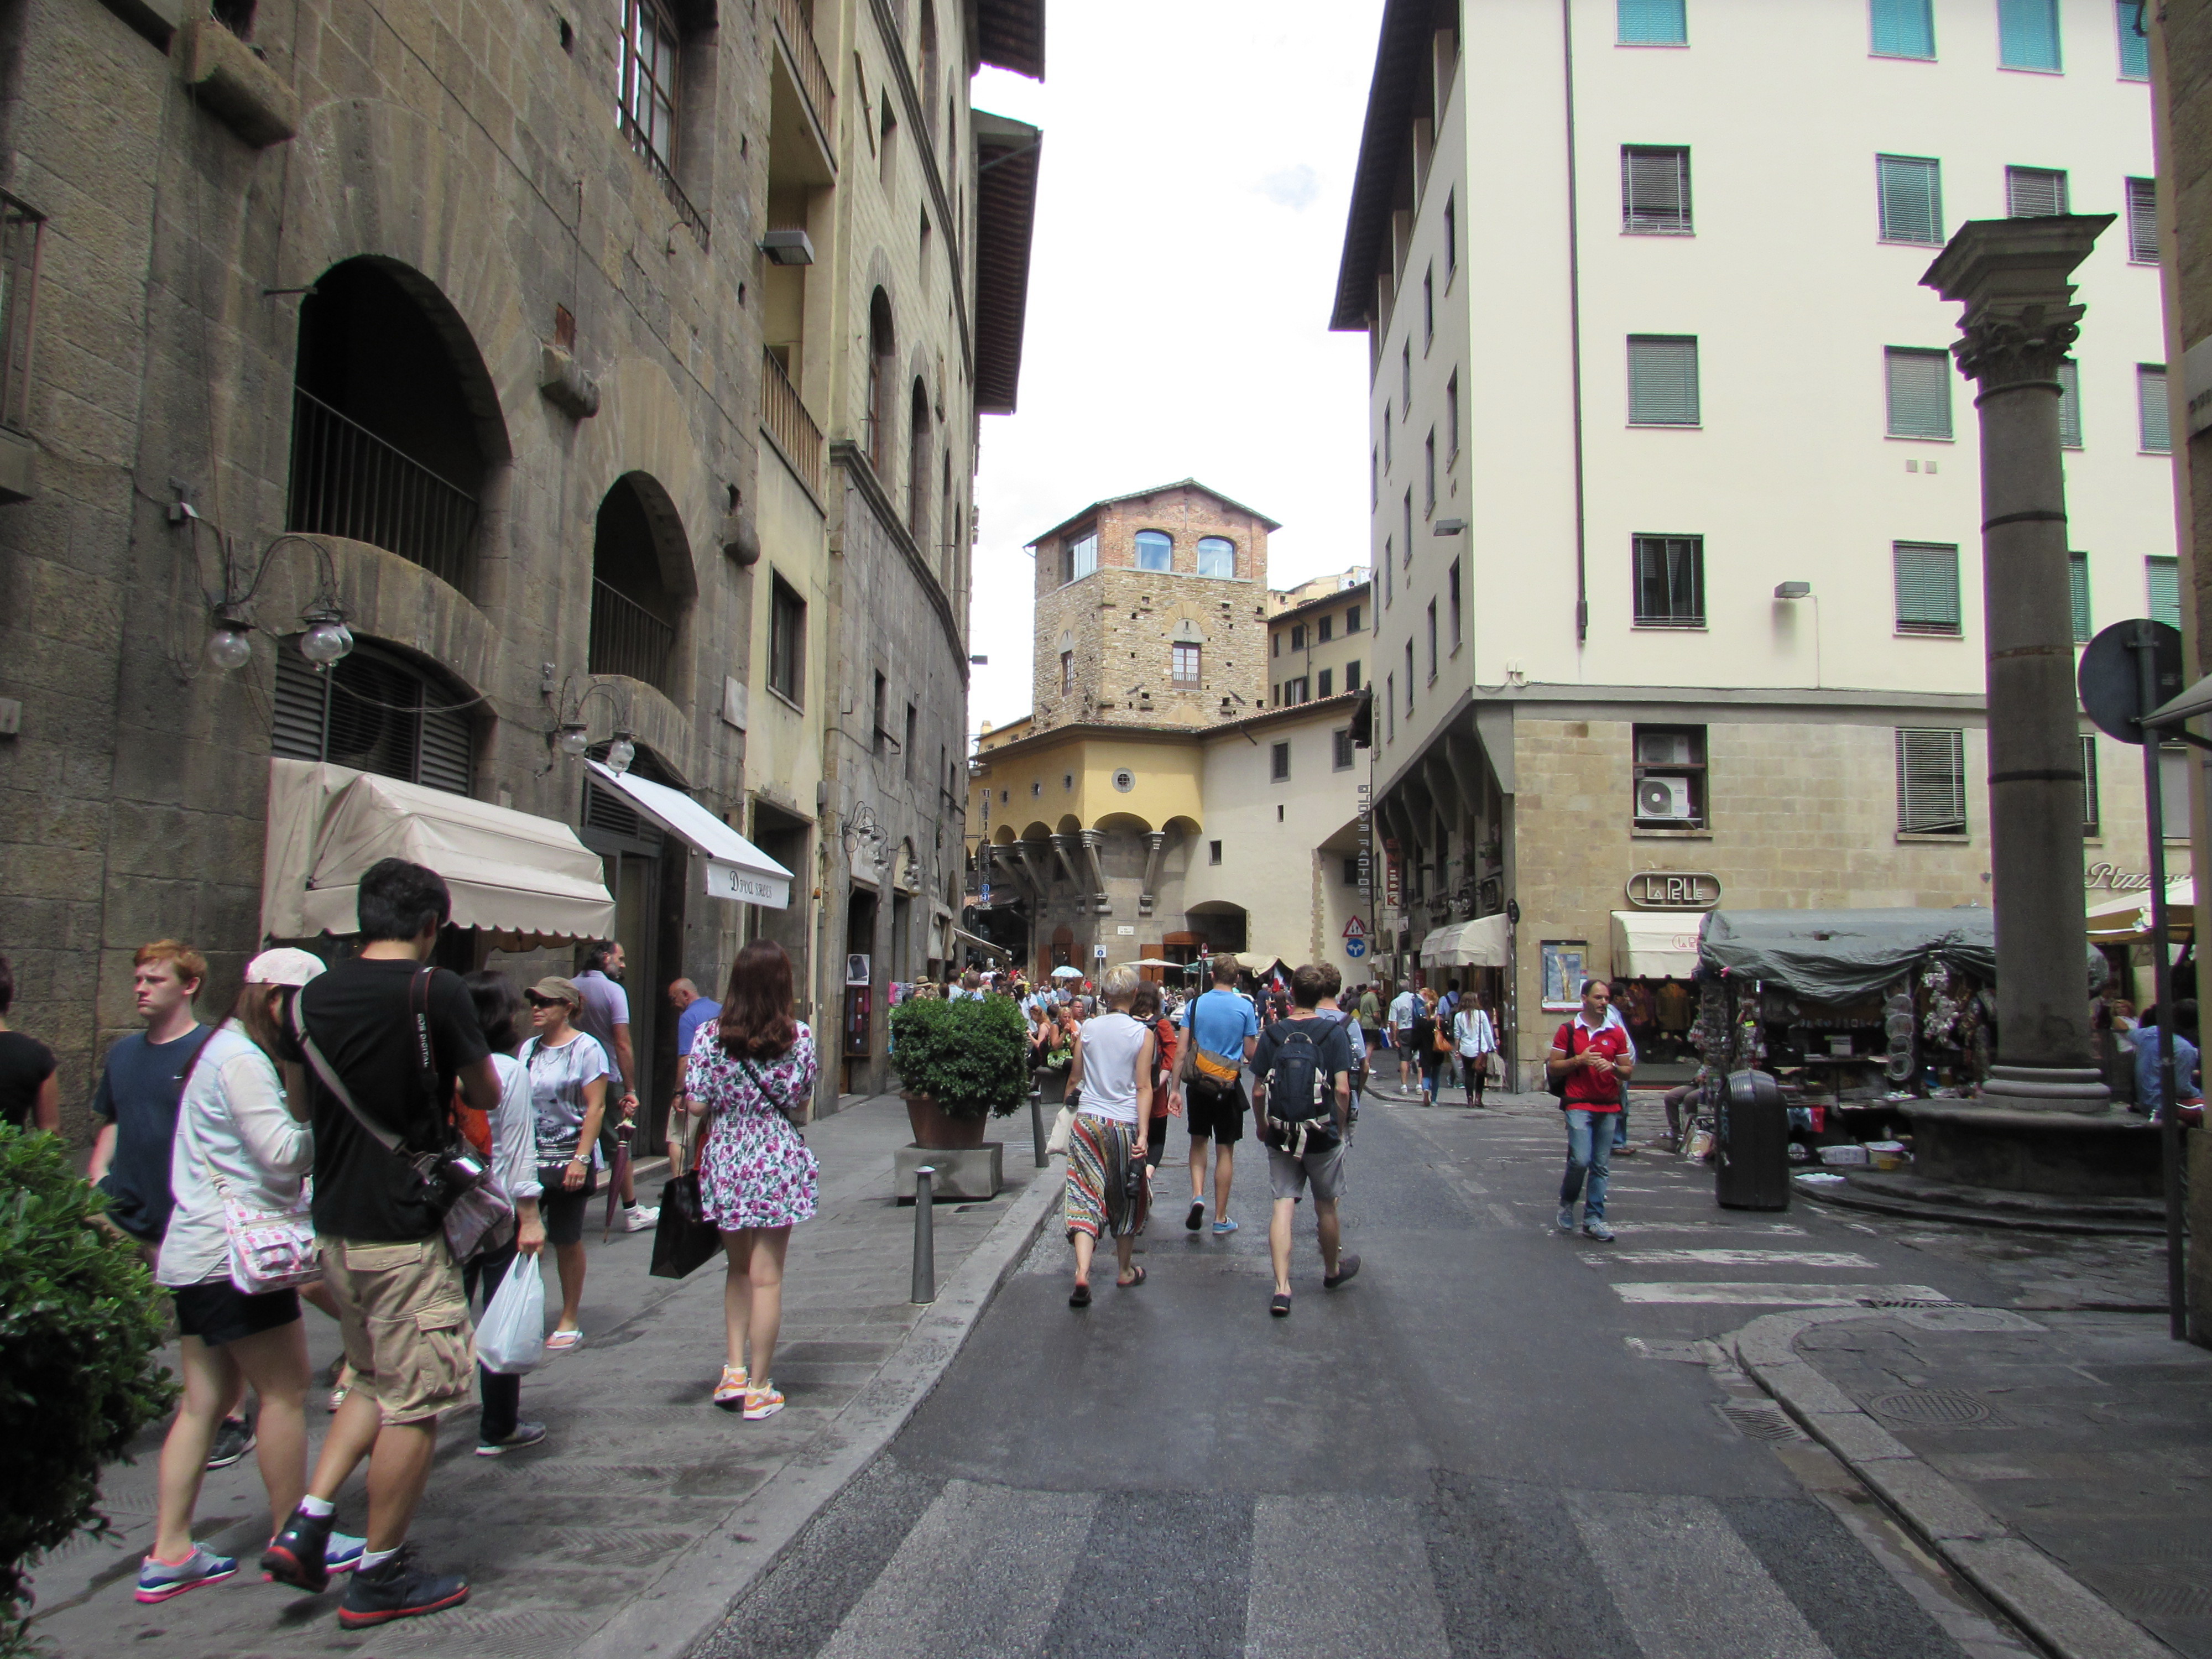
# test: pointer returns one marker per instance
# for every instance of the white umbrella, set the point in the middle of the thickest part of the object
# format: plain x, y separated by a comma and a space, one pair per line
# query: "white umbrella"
1065, 972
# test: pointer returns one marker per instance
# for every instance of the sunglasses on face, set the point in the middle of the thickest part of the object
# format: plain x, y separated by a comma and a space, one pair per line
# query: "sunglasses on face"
537, 1001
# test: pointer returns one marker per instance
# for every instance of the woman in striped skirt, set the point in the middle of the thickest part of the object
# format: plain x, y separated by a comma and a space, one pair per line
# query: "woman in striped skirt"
1111, 1081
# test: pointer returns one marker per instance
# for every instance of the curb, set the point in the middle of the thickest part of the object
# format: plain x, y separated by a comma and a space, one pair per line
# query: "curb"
2058, 1611
699, 1587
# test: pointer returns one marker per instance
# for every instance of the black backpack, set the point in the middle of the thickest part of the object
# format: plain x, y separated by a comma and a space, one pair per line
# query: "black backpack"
1298, 1086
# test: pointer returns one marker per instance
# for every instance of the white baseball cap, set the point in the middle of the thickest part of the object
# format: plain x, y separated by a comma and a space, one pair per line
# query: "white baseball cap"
283, 966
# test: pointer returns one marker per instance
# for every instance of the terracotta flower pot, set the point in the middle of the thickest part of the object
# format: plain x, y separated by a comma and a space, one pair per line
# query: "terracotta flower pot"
938, 1130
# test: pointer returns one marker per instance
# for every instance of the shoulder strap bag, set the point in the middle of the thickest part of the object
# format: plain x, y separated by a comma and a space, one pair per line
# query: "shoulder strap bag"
270, 1249
798, 1119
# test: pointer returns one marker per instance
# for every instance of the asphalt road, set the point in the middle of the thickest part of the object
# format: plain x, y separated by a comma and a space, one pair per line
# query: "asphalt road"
1498, 1441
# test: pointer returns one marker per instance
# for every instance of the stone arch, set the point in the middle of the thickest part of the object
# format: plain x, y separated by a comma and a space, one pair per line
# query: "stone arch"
643, 433
879, 411
1123, 823
1069, 825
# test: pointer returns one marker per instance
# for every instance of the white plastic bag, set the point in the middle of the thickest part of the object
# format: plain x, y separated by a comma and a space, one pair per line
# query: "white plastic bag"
511, 1340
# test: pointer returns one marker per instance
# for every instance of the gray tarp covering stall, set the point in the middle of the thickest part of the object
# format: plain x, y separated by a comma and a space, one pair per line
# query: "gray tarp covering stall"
1845, 955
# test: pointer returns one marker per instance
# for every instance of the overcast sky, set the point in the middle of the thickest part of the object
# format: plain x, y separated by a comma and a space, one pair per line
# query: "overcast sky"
1197, 166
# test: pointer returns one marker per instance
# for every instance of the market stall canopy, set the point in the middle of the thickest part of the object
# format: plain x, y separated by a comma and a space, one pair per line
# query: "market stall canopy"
2127, 918
1257, 963
1655, 944
1477, 943
525, 878
735, 869
1842, 956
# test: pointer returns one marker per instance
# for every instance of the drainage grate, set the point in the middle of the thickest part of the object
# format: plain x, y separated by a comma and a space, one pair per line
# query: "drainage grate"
1909, 1302
1933, 1409
1761, 1420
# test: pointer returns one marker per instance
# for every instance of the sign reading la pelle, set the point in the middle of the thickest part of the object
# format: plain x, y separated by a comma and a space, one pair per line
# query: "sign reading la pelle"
1673, 890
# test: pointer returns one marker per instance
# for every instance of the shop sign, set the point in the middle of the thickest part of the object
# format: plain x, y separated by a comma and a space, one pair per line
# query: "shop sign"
1673, 890
2110, 876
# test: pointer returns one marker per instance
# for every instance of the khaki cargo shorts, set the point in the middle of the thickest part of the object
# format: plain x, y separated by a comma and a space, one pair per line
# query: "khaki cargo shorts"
405, 1320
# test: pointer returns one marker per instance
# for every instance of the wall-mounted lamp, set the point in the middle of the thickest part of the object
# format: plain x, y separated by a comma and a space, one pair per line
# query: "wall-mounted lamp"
1449, 526
787, 248
621, 751
1793, 590
230, 637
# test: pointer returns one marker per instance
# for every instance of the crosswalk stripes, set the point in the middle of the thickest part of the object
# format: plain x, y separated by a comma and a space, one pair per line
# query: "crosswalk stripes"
1733, 1257
1741, 1293
1329, 1572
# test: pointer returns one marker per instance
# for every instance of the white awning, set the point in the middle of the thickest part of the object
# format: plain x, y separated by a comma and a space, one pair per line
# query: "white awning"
989, 947
2127, 917
523, 877
1477, 943
735, 869
1655, 944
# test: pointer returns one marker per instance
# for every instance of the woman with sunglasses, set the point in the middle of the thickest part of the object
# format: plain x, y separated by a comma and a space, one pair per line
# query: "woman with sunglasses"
569, 1073
500, 1426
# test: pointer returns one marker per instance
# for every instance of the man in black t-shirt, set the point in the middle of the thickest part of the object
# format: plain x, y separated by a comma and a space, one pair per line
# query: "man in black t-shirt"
385, 1260
1305, 1138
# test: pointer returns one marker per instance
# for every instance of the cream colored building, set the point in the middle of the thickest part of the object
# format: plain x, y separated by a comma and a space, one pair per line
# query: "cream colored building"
1675, 496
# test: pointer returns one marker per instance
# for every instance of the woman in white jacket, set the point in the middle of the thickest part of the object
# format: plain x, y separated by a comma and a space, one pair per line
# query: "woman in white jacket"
1476, 1039
238, 1132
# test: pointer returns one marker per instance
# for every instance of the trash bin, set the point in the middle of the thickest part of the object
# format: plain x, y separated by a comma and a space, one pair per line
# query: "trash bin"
1751, 1151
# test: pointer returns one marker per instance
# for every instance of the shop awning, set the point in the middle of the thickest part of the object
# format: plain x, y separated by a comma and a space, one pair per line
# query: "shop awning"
1477, 943
522, 877
980, 943
1655, 944
1841, 955
735, 869
2117, 921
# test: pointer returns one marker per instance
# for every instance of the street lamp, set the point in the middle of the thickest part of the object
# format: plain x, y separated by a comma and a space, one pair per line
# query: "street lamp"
230, 639
230, 644
621, 751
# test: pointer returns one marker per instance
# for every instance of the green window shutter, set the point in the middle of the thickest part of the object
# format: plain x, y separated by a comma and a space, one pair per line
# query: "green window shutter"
2142, 221
1927, 576
2134, 47
2034, 193
2162, 578
2077, 594
2028, 34
1931, 782
2069, 403
1919, 393
1662, 380
2091, 820
1910, 191
2150, 402
1655, 189
1902, 28
1652, 23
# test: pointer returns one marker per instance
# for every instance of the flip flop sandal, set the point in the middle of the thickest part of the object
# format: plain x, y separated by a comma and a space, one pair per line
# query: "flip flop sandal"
1080, 1297
1132, 1284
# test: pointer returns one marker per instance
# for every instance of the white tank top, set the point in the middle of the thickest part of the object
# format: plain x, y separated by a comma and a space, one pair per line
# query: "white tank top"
1111, 1043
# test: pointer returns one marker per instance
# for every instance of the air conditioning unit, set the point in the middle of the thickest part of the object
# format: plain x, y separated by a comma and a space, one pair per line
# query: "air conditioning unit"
1664, 797
1663, 748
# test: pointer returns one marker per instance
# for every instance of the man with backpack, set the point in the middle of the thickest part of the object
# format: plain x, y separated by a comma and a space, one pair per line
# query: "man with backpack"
1587, 1069
1303, 1110
1223, 1031
386, 1041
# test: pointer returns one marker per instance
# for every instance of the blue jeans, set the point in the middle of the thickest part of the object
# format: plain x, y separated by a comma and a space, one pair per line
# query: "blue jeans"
1620, 1124
1589, 1150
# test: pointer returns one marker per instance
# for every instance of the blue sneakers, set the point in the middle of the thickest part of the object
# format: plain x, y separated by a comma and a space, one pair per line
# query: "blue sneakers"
1223, 1227
160, 1581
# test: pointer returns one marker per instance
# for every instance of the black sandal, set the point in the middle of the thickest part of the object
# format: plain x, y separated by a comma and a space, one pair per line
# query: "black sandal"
1080, 1297
1280, 1305
1131, 1283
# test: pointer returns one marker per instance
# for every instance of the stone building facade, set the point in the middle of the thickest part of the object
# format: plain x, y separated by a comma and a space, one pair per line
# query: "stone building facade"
456, 321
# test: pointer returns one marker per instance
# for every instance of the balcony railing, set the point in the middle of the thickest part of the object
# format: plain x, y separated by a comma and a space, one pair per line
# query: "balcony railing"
628, 639
346, 481
794, 23
787, 422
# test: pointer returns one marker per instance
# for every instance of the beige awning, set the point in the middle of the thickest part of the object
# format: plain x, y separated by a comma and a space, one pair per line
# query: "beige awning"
1477, 943
523, 877
2128, 917
1655, 944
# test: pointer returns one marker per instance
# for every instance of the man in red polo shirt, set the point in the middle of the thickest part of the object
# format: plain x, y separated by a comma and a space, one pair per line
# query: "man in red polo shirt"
1589, 1061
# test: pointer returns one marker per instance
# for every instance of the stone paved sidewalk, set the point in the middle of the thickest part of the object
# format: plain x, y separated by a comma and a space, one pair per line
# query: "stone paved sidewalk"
639, 1473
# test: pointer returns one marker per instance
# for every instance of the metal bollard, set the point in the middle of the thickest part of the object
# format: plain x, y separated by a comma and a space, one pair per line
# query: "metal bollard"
924, 1290
1037, 1125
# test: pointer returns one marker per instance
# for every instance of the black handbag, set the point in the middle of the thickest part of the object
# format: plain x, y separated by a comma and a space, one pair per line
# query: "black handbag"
683, 1238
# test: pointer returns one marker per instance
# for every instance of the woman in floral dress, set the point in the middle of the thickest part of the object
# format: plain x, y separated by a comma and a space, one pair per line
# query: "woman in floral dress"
752, 1074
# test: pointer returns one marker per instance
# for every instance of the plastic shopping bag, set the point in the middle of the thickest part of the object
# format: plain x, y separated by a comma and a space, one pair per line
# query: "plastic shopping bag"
511, 1340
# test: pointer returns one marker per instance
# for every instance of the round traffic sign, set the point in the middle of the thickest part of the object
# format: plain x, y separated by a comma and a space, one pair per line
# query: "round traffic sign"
1355, 948
2111, 681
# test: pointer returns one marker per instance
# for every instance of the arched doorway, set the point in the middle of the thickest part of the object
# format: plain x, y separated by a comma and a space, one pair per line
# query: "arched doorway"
881, 343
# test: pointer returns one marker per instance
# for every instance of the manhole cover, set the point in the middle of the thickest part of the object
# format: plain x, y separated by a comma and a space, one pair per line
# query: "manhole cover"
1933, 1409
1761, 1422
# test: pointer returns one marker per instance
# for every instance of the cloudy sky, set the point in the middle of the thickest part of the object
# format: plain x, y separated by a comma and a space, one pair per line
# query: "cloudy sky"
1197, 166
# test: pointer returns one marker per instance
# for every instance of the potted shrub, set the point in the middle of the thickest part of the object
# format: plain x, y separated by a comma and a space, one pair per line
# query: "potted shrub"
960, 1064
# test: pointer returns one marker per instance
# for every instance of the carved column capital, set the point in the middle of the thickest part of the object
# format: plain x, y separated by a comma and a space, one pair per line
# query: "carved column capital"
2011, 345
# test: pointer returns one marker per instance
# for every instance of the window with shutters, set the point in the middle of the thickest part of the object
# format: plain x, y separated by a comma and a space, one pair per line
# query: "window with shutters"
1655, 190
1433, 641
2151, 410
1374, 481
2162, 586
1662, 380
1279, 762
2135, 43
1389, 564
1451, 237
20, 234
1931, 782
1387, 457
1669, 577
2142, 221
2027, 35
1670, 777
1428, 307
786, 643
1902, 28
1216, 557
1452, 601
1909, 191
1324, 629
2091, 814
2077, 595
375, 711
1183, 666
1352, 675
1155, 550
1919, 392
2069, 403
1409, 677
2035, 192
1451, 418
1927, 579
1327, 685
1298, 637
1429, 477
1408, 552
1390, 707
1651, 23
1352, 620
1406, 379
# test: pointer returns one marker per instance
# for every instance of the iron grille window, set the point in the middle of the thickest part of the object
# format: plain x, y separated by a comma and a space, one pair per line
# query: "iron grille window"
1651, 23
1909, 189
2142, 221
1927, 580
2150, 405
2028, 34
2134, 45
1662, 380
2069, 403
1341, 756
1183, 666
2077, 595
1655, 190
1669, 574
652, 49
786, 642
1902, 28
1919, 384
2091, 814
375, 712
2035, 192
1279, 762
2162, 586
1931, 782
21, 232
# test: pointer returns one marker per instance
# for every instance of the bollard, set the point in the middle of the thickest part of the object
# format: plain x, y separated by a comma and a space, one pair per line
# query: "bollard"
925, 1250
1037, 1125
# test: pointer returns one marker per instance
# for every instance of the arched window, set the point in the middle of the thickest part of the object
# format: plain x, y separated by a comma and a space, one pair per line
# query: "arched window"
918, 468
877, 415
1217, 556
1155, 550
385, 447
376, 711
634, 607
929, 65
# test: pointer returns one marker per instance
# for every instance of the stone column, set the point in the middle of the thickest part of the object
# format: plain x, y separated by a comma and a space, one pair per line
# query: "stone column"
2019, 322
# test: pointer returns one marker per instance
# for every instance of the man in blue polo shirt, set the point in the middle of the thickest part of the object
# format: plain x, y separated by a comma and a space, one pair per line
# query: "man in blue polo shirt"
1224, 1030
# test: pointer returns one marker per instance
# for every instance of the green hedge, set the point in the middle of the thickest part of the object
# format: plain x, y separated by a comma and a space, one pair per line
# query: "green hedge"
972, 1055
79, 1325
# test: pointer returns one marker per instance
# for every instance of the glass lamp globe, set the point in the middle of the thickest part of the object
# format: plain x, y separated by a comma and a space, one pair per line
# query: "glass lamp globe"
572, 740
230, 648
621, 752
326, 640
